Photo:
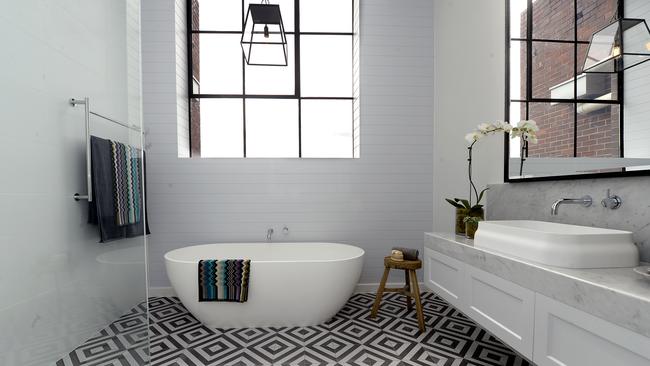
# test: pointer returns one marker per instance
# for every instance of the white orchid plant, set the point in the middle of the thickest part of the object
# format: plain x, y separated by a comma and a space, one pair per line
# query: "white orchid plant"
526, 130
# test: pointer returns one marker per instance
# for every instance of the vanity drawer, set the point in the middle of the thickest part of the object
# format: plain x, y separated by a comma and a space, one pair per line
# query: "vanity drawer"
501, 307
565, 336
444, 276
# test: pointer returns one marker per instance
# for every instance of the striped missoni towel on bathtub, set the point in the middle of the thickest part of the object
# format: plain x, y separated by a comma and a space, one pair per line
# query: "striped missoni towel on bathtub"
224, 280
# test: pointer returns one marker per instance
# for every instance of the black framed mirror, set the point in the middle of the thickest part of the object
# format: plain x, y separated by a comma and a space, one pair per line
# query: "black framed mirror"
591, 124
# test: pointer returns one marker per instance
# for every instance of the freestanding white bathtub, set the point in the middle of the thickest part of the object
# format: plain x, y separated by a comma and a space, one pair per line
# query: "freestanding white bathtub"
291, 284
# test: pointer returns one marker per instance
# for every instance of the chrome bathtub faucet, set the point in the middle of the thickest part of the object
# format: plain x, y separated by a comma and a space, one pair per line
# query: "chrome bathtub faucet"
269, 235
585, 201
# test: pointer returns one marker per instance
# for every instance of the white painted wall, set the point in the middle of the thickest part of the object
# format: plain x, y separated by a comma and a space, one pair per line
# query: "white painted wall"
58, 285
469, 89
378, 201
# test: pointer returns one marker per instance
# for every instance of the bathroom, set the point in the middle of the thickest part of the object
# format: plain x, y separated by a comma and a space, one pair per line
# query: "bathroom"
309, 173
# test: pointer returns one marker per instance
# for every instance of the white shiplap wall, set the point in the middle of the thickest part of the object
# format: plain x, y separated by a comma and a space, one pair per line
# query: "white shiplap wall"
380, 200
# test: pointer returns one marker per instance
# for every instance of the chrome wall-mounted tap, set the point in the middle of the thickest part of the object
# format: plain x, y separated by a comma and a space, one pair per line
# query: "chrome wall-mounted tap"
585, 201
611, 201
269, 235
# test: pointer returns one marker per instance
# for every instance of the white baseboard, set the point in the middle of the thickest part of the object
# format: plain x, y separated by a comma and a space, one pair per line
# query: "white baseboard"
162, 292
360, 288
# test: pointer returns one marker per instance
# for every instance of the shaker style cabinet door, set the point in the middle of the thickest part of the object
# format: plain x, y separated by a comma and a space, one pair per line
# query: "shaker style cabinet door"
444, 276
502, 307
565, 336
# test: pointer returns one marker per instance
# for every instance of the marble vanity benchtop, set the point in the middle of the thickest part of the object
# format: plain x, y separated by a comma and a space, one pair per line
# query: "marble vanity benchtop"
618, 295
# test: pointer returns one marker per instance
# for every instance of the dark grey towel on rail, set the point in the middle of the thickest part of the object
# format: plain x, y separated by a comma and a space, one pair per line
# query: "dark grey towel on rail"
101, 211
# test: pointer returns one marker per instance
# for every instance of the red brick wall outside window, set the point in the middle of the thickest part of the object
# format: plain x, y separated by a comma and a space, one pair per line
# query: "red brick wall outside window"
553, 64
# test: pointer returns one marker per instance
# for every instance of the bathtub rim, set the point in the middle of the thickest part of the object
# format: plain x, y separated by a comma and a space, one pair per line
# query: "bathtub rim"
361, 253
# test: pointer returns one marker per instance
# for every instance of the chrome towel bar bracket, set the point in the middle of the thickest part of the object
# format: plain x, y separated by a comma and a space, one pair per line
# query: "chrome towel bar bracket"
87, 112
89, 184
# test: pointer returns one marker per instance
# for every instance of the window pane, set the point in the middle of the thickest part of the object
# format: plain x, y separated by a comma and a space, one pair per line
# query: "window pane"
556, 129
553, 70
594, 16
271, 128
222, 128
518, 70
595, 85
220, 58
553, 19
598, 131
277, 80
518, 18
329, 16
517, 113
326, 66
217, 15
326, 128
286, 10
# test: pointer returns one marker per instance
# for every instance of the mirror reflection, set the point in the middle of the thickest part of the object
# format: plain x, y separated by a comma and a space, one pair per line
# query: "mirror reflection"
592, 121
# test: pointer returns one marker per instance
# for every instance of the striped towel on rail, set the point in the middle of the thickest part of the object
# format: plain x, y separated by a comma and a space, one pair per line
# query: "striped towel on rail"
127, 183
224, 280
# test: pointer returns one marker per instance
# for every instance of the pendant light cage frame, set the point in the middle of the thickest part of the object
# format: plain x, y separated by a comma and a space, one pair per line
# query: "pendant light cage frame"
609, 51
264, 14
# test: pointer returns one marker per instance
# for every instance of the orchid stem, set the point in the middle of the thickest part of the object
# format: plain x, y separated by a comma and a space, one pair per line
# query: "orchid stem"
472, 187
523, 153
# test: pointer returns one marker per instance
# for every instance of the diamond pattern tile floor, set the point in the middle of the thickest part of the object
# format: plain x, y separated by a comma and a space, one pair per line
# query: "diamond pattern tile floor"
351, 338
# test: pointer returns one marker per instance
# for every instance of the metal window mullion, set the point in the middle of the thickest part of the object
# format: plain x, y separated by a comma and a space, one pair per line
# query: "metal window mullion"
243, 62
506, 143
621, 94
575, 78
529, 51
296, 79
190, 79
198, 31
570, 100
548, 40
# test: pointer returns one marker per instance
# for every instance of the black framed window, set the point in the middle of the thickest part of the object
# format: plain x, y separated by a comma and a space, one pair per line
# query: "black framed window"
306, 109
579, 115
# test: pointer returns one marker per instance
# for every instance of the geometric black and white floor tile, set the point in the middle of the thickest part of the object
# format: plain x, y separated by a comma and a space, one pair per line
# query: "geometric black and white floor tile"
351, 338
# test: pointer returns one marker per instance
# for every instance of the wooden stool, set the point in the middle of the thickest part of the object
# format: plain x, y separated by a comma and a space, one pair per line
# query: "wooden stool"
410, 290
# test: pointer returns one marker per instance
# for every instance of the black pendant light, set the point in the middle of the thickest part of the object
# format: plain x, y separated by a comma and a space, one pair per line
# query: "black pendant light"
264, 41
620, 45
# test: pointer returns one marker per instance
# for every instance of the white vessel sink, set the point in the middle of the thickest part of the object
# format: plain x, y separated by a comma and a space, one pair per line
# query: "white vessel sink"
560, 245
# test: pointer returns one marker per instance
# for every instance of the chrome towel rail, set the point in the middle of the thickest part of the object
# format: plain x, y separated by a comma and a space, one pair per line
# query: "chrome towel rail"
87, 112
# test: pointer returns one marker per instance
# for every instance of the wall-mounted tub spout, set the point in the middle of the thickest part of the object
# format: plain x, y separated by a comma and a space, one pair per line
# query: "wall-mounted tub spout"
269, 235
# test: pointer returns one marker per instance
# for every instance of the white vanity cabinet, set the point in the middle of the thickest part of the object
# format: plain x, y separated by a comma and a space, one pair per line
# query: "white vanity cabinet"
542, 329
565, 336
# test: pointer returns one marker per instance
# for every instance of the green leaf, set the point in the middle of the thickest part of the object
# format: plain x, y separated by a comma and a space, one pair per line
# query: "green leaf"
465, 203
480, 196
454, 203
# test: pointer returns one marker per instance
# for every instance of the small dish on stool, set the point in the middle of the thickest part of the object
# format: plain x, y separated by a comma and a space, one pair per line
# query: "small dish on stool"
643, 271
